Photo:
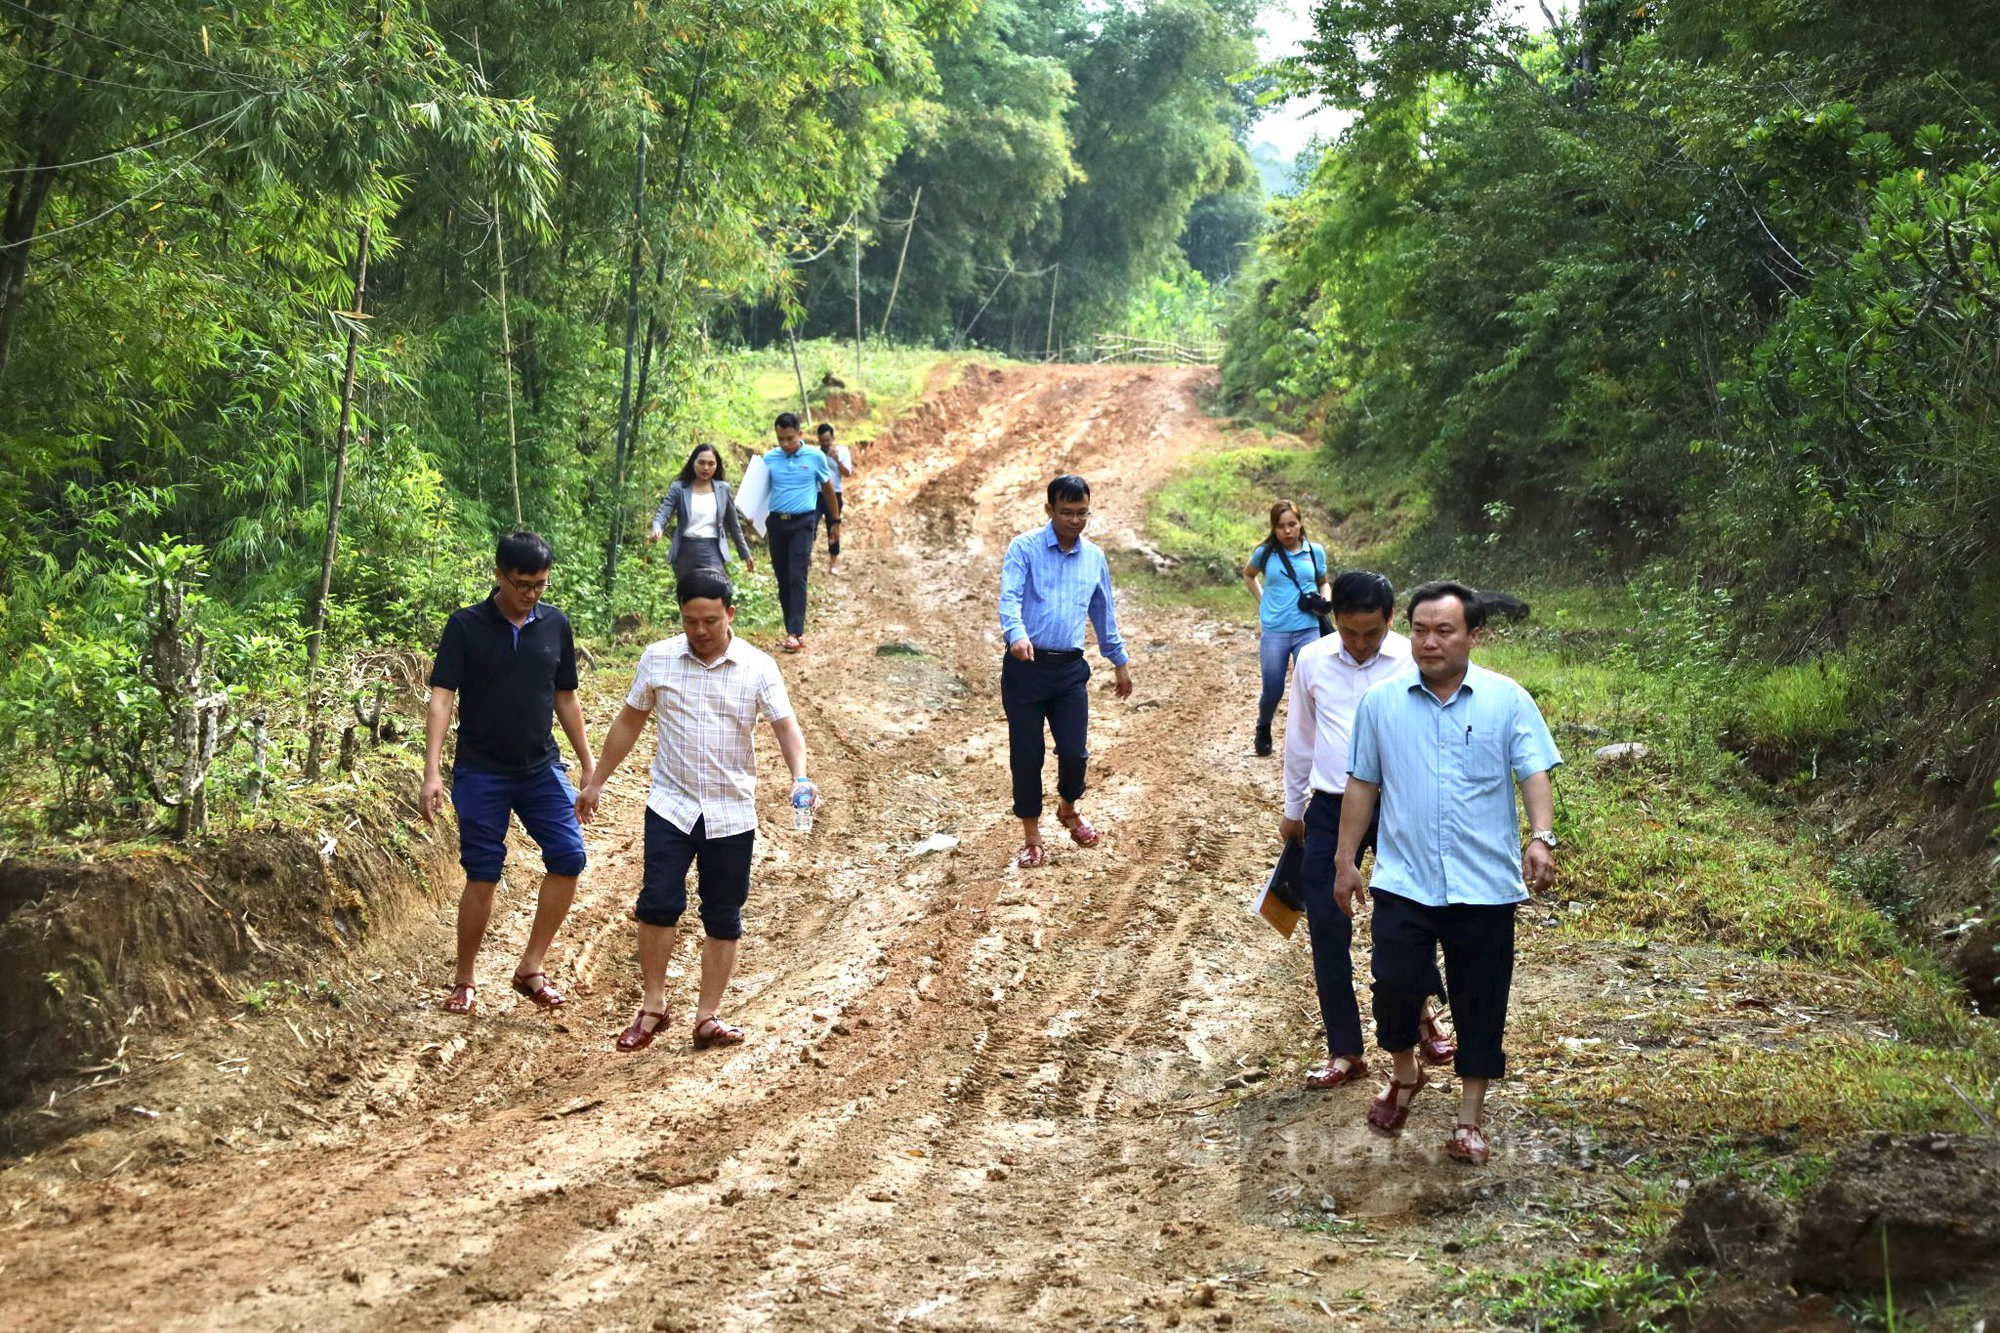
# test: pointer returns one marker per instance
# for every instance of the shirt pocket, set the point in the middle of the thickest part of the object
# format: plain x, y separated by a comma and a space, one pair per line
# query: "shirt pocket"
1485, 755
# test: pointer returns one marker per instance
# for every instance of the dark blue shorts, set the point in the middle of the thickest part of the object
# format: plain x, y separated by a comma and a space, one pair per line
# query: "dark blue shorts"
724, 866
546, 804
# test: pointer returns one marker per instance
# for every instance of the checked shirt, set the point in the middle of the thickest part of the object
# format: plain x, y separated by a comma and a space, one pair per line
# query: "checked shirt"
704, 716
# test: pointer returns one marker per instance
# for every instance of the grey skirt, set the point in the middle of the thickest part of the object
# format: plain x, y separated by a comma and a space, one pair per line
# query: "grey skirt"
699, 553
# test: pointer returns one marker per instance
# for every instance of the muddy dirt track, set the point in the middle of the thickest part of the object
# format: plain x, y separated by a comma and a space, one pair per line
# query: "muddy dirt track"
973, 1097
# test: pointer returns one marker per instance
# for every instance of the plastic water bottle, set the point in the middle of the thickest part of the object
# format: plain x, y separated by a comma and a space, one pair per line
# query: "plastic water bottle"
802, 805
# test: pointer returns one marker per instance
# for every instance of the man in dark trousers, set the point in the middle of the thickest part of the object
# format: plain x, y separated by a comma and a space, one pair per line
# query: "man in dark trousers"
1051, 581
1440, 750
843, 467
801, 482
1332, 675
510, 664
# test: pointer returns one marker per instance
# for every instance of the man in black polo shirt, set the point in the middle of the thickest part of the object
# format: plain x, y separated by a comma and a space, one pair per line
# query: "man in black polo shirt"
511, 663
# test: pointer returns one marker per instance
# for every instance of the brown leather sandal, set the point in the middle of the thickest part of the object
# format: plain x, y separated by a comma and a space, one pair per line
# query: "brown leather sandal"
1332, 1076
1468, 1144
1031, 856
1436, 1046
1388, 1111
1080, 831
464, 999
712, 1031
543, 996
638, 1037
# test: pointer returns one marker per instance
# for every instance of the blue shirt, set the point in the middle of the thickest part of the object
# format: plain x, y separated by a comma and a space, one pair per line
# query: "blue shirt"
796, 478
1450, 829
1279, 611
1045, 593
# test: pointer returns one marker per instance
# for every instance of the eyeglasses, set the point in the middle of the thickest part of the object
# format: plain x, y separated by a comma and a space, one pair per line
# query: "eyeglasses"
1072, 515
539, 585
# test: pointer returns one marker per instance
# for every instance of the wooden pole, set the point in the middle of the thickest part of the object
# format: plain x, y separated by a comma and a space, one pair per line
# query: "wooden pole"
903, 254
805, 411
857, 306
1049, 346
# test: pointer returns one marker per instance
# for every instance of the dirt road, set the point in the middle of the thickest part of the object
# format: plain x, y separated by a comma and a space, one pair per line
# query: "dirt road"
973, 1097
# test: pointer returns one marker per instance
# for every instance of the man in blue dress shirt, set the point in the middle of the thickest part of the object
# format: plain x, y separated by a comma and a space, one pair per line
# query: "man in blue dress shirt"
801, 480
1442, 749
1051, 581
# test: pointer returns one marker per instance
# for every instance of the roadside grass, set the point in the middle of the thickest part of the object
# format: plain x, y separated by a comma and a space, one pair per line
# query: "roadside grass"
1575, 1294
1678, 846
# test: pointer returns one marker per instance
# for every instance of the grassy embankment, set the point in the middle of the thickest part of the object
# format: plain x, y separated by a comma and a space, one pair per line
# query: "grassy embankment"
1788, 1010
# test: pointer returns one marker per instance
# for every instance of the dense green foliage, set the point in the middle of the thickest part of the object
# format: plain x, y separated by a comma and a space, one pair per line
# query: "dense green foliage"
1076, 154
211, 212
1707, 283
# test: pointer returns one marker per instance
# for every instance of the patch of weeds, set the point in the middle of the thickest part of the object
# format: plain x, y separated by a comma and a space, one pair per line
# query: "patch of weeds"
1799, 709
270, 995
1785, 1175
1575, 1294
1878, 877
1816, 1094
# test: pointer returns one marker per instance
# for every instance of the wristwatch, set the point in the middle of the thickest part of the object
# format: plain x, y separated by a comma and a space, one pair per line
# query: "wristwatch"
1546, 836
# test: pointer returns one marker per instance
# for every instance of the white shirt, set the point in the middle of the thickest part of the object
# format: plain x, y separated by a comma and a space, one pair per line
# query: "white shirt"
846, 466
704, 766
701, 515
1327, 686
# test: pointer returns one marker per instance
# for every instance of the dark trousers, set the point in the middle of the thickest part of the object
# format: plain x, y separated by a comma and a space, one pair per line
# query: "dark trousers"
1478, 944
832, 533
1052, 694
725, 876
1331, 930
791, 542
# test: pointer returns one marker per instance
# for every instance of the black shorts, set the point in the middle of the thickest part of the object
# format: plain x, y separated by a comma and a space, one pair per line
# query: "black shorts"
840, 503
724, 864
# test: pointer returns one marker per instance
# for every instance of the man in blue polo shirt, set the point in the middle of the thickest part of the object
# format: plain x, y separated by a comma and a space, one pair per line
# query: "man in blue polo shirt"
801, 481
509, 663
1441, 750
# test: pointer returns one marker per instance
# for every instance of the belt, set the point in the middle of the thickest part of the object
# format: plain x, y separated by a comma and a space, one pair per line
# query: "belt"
1058, 656
803, 513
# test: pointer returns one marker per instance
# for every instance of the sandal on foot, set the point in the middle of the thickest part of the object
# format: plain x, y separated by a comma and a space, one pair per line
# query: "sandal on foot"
1080, 831
793, 643
1436, 1046
1030, 856
543, 996
1468, 1144
1332, 1076
464, 999
1388, 1111
638, 1037
712, 1031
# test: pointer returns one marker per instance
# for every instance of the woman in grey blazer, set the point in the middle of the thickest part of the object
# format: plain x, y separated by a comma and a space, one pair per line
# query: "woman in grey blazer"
701, 510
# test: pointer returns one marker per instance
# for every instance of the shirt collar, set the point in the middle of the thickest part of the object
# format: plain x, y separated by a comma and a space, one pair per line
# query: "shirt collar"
492, 607
1050, 539
729, 653
1464, 686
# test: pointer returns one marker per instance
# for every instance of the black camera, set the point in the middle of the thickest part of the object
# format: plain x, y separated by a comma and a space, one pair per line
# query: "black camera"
1315, 605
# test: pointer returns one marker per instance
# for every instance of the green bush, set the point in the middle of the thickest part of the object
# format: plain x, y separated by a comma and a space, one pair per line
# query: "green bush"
1801, 709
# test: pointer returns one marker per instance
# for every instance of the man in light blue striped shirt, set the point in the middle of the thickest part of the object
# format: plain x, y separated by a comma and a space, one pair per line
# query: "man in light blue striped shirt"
1443, 748
1051, 581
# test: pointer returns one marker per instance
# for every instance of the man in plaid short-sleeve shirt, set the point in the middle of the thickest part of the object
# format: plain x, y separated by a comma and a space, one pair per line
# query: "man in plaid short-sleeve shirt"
705, 690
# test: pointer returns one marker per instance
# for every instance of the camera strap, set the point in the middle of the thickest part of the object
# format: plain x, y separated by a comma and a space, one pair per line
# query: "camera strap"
1291, 573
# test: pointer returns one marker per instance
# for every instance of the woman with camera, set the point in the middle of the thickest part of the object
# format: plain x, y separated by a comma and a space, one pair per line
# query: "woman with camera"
1288, 576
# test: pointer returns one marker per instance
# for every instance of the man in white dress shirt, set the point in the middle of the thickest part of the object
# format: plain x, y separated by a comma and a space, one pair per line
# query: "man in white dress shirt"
705, 690
1327, 685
